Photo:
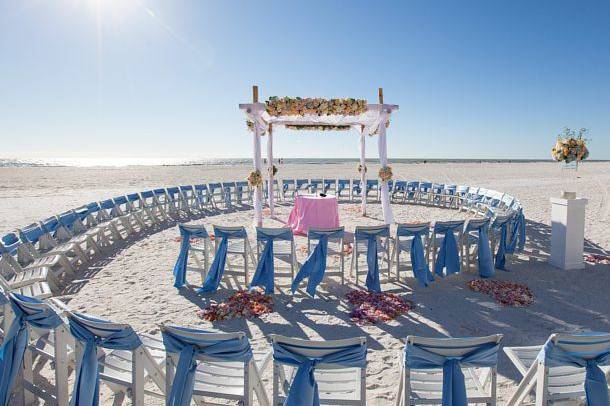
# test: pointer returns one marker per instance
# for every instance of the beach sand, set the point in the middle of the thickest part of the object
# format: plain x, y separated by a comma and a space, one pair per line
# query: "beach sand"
134, 282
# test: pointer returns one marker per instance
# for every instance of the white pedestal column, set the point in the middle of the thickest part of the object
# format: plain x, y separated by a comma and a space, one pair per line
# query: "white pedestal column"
567, 233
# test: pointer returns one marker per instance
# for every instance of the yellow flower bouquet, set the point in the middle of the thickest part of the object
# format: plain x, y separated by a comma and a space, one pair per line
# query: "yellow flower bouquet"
385, 173
570, 146
255, 179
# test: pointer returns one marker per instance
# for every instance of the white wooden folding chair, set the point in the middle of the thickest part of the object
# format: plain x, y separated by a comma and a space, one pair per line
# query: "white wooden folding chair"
337, 384
471, 241
216, 194
438, 235
425, 386
284, 249
203, 197
336, 242
405, 233
49, 243
218, 379
330, 186
344, 187
372, 187
138, 208
28, 256
424, 193
187, 199
71, 229
238, 248
288, 189
360, 249
243, 193
302, 186
154, 206
556, 383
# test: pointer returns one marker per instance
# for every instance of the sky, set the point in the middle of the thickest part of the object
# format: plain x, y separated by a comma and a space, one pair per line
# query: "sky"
158, 78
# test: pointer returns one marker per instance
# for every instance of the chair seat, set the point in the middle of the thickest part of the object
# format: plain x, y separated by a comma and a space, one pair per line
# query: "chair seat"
564, 382
28, 276
334, 384
404, 245
236, 246
428, 385
363, 246
39, 290
225, 378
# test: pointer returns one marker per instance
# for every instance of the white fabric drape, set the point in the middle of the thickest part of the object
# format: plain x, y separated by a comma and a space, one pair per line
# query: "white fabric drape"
383, 159
270, 169
363, 166
256, 160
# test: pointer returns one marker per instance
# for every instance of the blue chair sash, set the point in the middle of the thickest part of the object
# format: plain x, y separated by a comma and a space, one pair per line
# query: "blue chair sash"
186, 232
265, 270
448, 255
212, 279
517, 238
454, 387
421, 270
86, 386
500, 262
304, 388
181, 392
370, 236
16, 339
314, 266
596, 386
486, 265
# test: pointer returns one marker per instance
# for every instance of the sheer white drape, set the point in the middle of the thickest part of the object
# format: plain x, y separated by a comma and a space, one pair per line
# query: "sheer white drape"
270, 169
383, 160
258, 165
362, 146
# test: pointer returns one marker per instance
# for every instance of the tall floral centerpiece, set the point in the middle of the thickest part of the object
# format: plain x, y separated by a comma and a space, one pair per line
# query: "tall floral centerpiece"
569, 150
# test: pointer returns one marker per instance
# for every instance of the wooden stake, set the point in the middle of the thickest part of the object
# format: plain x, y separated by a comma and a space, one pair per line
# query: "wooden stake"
254, 94
381, 95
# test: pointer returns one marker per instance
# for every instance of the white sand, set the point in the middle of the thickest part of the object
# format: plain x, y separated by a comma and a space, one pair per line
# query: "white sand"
135, 283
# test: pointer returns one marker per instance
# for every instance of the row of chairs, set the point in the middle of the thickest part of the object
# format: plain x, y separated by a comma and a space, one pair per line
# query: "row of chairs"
241, 256
136, 365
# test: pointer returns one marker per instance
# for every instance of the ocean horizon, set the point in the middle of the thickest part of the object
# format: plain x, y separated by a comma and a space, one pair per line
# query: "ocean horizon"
122, 162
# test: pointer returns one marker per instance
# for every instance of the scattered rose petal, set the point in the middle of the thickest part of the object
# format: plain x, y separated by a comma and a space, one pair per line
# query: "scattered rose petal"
597, 259
243, 303
506, 293
376, 307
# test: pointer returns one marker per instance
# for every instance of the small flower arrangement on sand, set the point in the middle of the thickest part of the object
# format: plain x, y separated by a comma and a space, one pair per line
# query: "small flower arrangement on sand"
255, 179
506, 293
570, 146
376, 307
243, 303
385, 173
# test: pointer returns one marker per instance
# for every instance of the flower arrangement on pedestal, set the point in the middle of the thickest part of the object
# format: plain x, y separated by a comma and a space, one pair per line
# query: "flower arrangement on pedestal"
571, 146
361, 168
255, 179
385, 173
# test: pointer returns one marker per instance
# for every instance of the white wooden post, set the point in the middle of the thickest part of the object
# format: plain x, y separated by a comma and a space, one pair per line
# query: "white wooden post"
258, 166
383, 159
363, 172
567, 233
270, 168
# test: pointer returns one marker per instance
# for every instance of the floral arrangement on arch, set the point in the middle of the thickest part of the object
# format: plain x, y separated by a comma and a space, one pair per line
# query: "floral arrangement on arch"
361, 168
297, 106
317, 127
571, 146
255, 179
385, 173
273, 170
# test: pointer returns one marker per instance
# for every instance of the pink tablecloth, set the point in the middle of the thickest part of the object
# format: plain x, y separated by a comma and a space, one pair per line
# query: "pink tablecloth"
313, 211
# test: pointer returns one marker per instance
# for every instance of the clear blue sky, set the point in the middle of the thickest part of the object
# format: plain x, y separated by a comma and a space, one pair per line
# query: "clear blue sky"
152, 78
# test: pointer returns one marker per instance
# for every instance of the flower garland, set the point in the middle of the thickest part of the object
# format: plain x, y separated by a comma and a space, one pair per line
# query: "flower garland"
385, 173
375, 307
361, 167
506, 293
570, 147
243, 303
317, 127
297, 106
255, 179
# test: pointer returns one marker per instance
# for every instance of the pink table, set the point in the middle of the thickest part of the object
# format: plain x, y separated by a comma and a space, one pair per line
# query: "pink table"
313, 211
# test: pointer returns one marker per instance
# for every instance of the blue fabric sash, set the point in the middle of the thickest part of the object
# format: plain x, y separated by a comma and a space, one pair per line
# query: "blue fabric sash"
86, 386
181, 392
421, 270
454, 387
372, 276
486, 265
304, 388
16, 340
517, 238
212, 279
265, 270
186, 232
448, 255
315, 265
501, 252
596, 386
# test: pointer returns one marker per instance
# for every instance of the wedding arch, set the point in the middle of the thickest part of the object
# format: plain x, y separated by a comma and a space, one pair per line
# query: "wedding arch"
317, 114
